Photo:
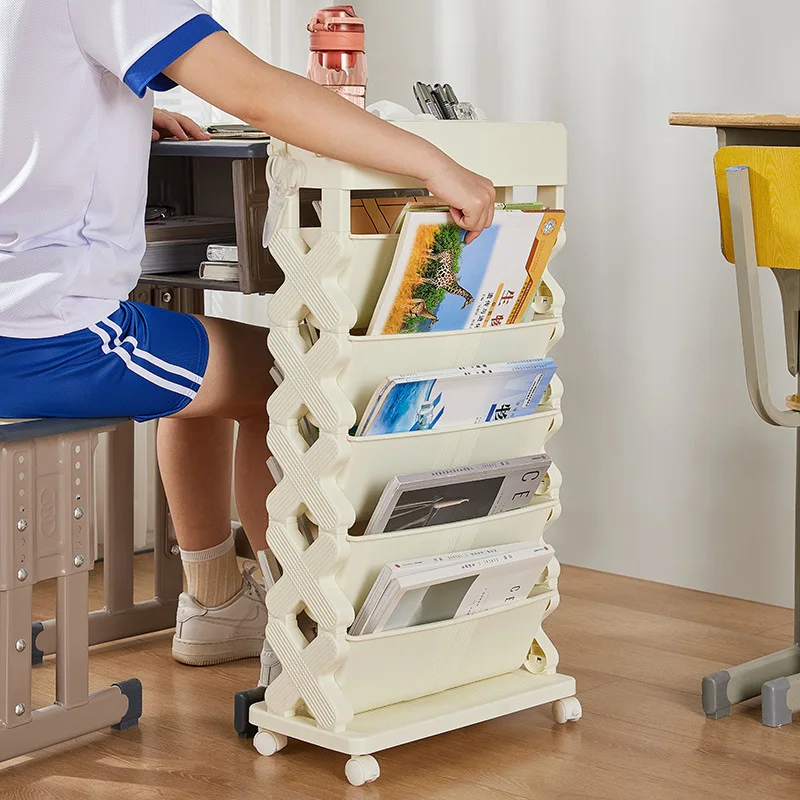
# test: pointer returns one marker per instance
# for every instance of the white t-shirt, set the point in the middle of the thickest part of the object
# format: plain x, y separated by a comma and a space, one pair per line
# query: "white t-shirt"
75, 122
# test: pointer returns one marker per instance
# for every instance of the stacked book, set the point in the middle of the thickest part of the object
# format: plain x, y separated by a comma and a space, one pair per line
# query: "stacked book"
221, 263
179, 243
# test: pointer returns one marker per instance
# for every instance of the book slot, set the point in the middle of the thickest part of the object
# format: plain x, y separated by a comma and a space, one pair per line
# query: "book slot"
395, 666
376, 357
368, 554
364, 277
375, 460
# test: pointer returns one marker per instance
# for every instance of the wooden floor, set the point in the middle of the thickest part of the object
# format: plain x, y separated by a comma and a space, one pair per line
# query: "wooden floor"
637, 649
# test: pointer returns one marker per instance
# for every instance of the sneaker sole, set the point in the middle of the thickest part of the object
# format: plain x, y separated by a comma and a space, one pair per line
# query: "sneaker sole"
205, 654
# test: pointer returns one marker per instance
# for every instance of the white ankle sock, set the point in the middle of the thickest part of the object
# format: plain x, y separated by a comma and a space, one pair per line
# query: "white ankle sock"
212, 575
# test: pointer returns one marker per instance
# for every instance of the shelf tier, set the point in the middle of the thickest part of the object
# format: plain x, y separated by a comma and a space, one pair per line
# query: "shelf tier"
382, 728
508, 153
189, 280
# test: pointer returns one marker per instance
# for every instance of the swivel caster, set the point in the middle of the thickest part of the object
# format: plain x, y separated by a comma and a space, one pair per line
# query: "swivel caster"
268, 743
362, 769
567, 710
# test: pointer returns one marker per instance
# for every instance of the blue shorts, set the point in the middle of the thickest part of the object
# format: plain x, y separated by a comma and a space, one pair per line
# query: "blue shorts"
141, 362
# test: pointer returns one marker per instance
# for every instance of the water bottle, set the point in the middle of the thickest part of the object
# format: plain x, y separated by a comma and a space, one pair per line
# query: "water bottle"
337, 59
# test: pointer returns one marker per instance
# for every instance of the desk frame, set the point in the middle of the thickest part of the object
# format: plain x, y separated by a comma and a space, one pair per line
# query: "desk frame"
776, 677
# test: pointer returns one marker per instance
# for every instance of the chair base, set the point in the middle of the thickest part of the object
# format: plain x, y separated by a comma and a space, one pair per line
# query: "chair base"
55, 724
765, 676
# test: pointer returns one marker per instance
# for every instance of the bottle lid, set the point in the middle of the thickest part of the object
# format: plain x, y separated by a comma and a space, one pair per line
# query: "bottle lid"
337, 28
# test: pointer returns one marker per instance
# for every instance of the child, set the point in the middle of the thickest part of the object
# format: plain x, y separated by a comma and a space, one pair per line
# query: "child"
76, 121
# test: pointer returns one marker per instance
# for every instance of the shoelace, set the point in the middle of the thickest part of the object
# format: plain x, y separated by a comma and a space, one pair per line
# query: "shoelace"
255, 589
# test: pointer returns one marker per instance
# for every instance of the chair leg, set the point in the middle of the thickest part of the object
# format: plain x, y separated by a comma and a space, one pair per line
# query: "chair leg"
15, 660
122, 618
72, 651
118, 543
75, 711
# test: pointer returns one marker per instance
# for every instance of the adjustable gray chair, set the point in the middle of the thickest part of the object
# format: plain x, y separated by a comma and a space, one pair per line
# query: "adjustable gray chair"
47, 530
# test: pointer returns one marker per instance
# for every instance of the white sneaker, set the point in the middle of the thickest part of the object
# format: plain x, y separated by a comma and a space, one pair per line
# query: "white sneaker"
205, 636
270, 666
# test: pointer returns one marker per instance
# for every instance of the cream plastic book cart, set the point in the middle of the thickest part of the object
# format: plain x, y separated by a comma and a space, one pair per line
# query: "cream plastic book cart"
359, 695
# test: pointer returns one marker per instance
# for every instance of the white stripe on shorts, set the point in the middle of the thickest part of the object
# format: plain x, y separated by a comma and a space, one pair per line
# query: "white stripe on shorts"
137, 351
137, 368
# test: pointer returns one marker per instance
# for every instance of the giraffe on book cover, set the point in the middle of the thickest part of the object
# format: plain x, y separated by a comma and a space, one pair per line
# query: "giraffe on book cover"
445, 277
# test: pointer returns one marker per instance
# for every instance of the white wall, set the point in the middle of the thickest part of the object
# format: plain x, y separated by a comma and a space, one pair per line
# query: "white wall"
669, 474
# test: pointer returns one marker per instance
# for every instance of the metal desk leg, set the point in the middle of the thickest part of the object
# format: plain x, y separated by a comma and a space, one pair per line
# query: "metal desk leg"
781, 696
728, 686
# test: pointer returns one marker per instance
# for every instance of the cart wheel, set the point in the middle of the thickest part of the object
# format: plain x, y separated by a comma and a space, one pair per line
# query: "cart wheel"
567, 710
362, 769
268, 743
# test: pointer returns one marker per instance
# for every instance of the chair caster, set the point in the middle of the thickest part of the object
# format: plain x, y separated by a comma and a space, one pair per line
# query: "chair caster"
268, 743
567, 710
362, 769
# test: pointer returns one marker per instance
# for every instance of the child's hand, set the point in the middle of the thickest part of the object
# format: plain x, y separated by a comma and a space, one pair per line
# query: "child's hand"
471, 197
166, 124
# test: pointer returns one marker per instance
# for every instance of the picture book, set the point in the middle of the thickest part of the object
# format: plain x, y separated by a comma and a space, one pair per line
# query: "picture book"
443, 496
439, 283
416, 566
454, 588
456, 397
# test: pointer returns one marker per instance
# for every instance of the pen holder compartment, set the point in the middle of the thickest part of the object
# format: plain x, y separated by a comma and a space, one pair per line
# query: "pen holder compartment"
375, 460
394, 666
368, 554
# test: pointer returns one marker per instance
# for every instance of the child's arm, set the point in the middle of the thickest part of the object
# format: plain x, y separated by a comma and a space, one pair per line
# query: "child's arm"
230, 77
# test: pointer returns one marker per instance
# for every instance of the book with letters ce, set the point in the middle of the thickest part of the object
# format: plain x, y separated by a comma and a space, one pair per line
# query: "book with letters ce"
437, 588
444, 496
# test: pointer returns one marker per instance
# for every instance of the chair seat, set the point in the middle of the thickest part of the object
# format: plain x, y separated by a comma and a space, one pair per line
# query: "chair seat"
15, 430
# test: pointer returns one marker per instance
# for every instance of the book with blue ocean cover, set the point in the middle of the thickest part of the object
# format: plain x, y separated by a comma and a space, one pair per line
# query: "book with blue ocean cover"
457, 397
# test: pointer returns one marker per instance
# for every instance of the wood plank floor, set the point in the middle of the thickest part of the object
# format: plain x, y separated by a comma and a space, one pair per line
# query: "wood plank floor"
637, 649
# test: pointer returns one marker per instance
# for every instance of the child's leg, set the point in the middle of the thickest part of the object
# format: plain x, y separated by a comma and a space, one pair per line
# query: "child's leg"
195, 444
195, 375
224, 617
195, 458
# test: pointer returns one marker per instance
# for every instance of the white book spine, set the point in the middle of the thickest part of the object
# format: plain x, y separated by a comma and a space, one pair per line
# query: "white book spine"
223, 252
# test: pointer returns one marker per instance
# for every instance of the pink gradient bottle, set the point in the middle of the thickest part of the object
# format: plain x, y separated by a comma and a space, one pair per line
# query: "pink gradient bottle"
337, 59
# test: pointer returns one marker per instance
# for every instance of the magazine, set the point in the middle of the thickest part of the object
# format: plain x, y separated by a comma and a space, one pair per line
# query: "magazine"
452, 398
443, 496
438, 588
438, 283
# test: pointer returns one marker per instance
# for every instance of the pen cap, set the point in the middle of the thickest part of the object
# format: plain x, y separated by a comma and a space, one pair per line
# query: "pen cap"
337, 28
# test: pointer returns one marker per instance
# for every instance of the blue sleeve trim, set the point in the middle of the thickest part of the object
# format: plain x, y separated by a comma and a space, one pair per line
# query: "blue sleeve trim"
146, 73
